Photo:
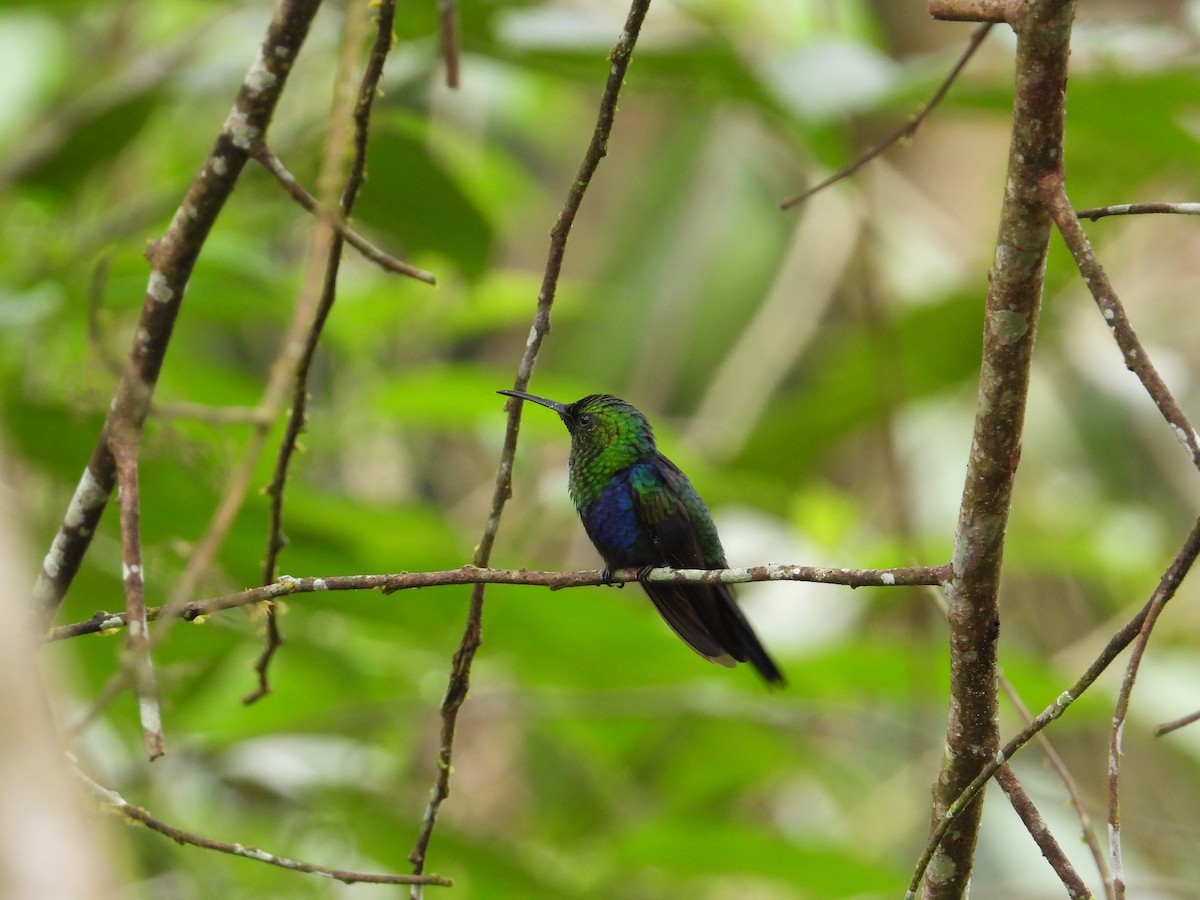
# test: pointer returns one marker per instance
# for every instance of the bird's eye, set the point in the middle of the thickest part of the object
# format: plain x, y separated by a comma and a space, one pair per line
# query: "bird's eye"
585, 420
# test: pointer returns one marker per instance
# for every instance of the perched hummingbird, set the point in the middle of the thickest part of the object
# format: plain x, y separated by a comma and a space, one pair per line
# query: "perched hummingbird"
641, 511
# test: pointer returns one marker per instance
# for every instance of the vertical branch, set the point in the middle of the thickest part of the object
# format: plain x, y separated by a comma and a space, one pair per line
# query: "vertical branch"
1116, 739
138, 639
460, 670
172, 258
448, 35
1013, 306
368, 90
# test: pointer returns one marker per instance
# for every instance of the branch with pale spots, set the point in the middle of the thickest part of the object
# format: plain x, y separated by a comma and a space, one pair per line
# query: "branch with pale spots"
172, 258
136, 815
286, 586
1054, 195
138, 639
1139, 209
1167, 586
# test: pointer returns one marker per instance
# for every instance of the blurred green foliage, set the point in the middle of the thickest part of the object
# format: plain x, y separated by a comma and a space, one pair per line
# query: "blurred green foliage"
596, 757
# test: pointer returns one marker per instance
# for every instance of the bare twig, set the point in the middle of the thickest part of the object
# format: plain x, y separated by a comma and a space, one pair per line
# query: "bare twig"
449, 40
905, 131
272, 163
297, 421
460, 673
1167, 586
135, 814
172, 259
287, 586
138, 638
1139, 209
1013, 309
994, 11
1036, 826
1175, 724
1116, 738
96, 336
1064, 775
1136, 359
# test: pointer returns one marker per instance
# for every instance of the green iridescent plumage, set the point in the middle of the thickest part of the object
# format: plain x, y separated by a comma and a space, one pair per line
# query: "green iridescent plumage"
640, 511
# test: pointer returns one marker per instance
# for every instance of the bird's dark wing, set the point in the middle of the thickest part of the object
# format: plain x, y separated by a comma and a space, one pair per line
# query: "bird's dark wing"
704, 615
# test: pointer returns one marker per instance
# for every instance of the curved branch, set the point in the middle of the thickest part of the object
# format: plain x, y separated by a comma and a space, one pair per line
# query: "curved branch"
135, 814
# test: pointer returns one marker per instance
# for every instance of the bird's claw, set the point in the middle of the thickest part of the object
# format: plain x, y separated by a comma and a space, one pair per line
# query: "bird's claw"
606, 577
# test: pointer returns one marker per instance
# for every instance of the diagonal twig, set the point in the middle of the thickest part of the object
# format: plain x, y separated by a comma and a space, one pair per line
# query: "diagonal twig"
269, 161
1054, 195
460, 673
136, 814
905, 131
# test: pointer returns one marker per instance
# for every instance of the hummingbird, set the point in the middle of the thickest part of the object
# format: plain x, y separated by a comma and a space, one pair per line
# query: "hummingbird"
641, 511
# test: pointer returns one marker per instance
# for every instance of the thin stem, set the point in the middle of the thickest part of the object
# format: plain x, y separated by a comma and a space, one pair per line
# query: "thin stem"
1054, 195
135, 814
460, 671
905, 131
1139, 209
272, 163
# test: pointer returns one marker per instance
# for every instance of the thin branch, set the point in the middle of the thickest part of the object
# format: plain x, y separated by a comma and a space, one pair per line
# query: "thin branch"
298, 419
1167, 586
1116, 738
135, 814
993, 11
269, 161
460, 673
1139, 209
1176, 724
172, 259
1054, 196
905, 131
1056, 762
1037, 828
96, 336
138, 639
1011, 320
449, 39
286, 586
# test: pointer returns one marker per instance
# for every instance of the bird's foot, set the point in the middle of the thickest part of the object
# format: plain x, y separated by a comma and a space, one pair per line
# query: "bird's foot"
606, 576
643, 572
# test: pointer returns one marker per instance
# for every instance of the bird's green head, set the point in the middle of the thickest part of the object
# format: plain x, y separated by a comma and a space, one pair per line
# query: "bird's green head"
607, 435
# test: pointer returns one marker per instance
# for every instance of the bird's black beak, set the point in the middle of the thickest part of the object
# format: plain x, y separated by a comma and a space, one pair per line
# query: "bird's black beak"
560, 408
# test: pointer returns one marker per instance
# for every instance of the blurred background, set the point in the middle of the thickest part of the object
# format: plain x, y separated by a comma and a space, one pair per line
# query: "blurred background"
813, 371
